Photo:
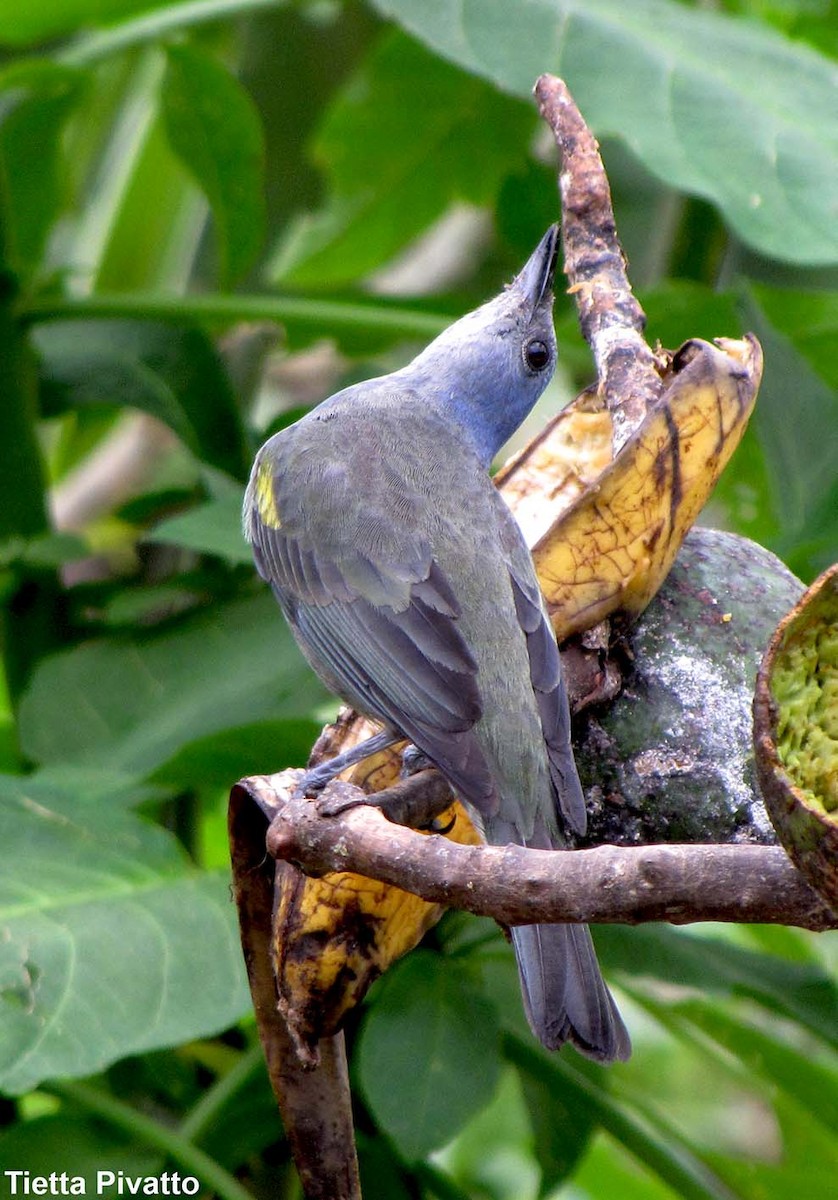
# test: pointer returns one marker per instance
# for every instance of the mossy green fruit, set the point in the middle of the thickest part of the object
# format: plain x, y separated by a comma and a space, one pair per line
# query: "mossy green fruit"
671, 759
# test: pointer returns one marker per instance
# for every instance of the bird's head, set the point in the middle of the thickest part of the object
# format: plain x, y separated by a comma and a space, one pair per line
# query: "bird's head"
490, 367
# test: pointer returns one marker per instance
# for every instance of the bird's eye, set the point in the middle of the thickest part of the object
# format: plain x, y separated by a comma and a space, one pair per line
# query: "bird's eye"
536, 354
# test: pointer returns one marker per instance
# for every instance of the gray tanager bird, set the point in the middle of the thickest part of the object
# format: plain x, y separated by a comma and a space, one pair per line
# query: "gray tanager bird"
411, 591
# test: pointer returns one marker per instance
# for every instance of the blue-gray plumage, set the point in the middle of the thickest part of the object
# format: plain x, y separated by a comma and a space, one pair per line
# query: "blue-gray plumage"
411, 591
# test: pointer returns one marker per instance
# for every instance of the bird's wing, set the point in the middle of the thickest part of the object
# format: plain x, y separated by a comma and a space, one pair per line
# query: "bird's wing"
545, 670
370, 606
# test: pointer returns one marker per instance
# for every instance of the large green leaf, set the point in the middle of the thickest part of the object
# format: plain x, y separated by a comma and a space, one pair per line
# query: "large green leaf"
806, 1166
810, 321
214, 762
407, 136
608, 1171
170, 371
112, 943
765, 1181
428, 1058
216, 130
382, 1173
719, 107
134, 705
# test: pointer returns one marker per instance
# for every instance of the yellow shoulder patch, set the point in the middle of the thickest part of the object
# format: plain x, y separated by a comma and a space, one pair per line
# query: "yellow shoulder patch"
266, 496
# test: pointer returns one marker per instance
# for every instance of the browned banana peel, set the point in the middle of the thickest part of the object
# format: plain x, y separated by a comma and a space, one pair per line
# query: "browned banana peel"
796, 733
333, 936
603, 540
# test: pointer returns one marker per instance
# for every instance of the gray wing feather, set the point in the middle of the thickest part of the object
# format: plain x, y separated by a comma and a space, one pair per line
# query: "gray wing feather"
410, 667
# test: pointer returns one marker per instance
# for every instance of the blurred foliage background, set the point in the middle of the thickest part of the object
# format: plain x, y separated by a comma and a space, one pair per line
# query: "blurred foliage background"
214, 213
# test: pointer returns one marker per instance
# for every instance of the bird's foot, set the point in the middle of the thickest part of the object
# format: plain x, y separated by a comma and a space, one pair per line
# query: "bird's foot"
416, 801
339, 796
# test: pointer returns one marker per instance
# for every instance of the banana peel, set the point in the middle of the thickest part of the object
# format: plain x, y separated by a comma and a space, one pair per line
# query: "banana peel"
335, 935
606, 548
604, 530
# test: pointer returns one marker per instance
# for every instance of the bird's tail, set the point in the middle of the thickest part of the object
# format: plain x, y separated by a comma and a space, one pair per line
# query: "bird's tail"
565, 996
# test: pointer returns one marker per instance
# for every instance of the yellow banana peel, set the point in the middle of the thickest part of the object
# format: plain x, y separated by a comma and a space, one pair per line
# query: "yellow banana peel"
558, 465
604, 530
607, 547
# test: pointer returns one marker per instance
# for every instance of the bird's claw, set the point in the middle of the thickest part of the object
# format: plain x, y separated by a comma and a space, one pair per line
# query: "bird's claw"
338, 797
437, 825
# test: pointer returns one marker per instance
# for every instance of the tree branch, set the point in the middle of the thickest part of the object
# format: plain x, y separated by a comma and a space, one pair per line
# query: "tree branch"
608, 884
611, 319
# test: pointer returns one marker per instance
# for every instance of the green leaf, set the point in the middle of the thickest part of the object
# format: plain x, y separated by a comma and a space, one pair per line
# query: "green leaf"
172, 372
492, 1151
38, 100
357, 325
762, 1181
806, 1166
260, 748
409, 135
37, 20
81, 1146
607, 1171
722, 108
382, 1174
801, 471
428, 1057
48, 550
660, 1149
809, 320
128, 608
562, 1133
812, 1085
213, 528
801, 992
235, 1120
134, 705
214, 127
680, 309
112, 943
802, 338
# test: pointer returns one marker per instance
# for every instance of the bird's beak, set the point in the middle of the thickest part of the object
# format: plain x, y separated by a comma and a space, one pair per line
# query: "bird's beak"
536, 277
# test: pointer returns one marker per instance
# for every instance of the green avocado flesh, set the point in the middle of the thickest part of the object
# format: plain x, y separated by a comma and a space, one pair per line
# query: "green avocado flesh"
804, 683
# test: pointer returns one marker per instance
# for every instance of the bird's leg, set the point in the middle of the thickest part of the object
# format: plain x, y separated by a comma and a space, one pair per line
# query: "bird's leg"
314, 780
411, 801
